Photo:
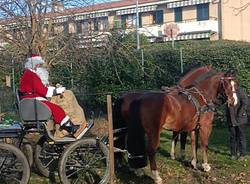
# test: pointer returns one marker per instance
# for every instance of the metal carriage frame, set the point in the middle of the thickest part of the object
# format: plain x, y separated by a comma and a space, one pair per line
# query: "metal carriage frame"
84, 160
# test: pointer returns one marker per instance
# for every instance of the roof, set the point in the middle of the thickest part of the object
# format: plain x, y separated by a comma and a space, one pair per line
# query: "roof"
110, 5
91, 8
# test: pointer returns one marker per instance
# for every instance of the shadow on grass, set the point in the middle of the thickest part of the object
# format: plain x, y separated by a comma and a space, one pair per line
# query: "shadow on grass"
125, 176
163, 152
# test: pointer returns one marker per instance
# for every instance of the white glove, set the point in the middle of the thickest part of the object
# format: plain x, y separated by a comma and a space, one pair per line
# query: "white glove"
60, 90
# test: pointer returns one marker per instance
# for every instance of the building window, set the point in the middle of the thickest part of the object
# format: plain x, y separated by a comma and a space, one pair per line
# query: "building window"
178, 14
117, 23
66, 27
86, 27
140, 20
79, 27
128, 21
105, 24
123, 21
202, 12
158, 17
96, 24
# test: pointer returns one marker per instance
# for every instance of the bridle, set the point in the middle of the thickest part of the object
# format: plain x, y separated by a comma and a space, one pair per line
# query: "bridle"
224, 87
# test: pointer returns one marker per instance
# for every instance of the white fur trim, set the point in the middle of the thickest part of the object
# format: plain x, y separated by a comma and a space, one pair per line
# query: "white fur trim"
41, 98
50, 91
65, 119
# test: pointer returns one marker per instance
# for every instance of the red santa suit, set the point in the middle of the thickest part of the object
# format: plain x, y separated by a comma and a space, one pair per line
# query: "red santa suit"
31, 86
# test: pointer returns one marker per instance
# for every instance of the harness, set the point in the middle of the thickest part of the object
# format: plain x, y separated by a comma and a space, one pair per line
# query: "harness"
200, 108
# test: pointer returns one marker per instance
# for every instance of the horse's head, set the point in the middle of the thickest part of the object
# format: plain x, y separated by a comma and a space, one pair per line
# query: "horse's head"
212, 83
229, 85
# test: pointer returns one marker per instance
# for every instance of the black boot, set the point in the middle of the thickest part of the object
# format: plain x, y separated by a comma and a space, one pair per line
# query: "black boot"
69, 127
76, 130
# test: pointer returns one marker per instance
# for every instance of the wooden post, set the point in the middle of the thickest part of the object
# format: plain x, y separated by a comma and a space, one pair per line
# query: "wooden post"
111, 141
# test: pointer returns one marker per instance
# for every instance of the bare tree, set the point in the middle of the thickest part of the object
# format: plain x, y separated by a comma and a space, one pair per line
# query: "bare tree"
40, 26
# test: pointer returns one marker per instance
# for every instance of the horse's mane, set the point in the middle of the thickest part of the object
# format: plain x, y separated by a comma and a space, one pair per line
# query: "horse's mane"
191, 72
204, 76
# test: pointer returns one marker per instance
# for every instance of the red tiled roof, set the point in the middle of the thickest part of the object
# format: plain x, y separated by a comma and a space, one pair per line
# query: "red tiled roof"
110, 5
91, 8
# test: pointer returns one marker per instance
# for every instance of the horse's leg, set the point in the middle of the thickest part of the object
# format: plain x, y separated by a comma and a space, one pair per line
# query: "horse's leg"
153, 143
205, 132
193, 145
183, 140
173, 144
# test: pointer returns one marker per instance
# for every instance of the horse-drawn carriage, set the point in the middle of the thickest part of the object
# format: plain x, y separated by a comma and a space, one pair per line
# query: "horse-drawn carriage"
85, 160
77, 161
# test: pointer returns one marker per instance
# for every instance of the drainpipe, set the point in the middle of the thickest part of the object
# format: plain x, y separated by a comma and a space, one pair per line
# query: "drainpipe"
137, 27
220, 19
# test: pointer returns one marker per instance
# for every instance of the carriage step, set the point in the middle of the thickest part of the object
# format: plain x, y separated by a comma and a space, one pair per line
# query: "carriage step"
66, 138
118, 150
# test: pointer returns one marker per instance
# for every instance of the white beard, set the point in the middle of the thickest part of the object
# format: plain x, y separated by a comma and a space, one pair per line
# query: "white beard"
43, 75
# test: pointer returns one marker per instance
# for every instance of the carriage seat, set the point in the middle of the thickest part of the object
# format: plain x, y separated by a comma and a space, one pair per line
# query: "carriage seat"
32, 110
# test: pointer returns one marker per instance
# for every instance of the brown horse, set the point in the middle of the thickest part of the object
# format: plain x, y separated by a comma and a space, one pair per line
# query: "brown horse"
121, 112
177, 110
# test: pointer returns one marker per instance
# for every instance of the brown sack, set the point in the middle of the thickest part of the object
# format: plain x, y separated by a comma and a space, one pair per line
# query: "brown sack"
67, 101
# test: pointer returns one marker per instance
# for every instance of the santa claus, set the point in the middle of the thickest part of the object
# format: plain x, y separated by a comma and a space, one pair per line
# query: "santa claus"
32, 86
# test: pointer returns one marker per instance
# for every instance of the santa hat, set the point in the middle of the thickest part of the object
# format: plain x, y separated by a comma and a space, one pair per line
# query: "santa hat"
33, 61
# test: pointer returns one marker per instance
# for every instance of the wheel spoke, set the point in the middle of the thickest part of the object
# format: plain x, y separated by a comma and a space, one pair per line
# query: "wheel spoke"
84, 163
47, 165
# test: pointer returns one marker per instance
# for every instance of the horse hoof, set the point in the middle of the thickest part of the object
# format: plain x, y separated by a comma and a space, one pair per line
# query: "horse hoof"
158, 180
206, 167
172, 157
194, 164
156, 177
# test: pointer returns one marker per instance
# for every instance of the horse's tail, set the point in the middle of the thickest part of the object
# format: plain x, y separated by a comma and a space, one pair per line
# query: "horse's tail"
137, 157
119, 126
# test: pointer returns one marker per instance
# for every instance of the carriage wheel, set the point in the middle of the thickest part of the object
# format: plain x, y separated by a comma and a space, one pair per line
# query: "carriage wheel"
14, 167
46, 157
84, 162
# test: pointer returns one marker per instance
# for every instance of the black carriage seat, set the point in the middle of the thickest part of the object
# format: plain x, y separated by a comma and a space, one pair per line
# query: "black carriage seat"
32, 110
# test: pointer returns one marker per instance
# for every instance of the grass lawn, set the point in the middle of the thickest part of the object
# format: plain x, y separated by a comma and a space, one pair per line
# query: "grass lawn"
223, 169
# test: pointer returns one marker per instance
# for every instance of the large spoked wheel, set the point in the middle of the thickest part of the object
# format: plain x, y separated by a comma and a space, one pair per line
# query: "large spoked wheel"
46, 157
14, 167
84, 162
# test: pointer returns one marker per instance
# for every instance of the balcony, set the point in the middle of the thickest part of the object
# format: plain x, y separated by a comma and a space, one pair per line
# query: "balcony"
185, 27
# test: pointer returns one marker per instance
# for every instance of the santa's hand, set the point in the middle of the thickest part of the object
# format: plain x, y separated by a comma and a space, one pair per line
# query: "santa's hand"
60, 90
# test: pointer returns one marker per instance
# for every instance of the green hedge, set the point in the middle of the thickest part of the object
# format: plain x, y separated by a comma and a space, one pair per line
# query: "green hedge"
119, 68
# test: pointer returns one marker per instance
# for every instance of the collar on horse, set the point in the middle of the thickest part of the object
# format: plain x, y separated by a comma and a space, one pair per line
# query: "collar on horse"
200, 108
208, 106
